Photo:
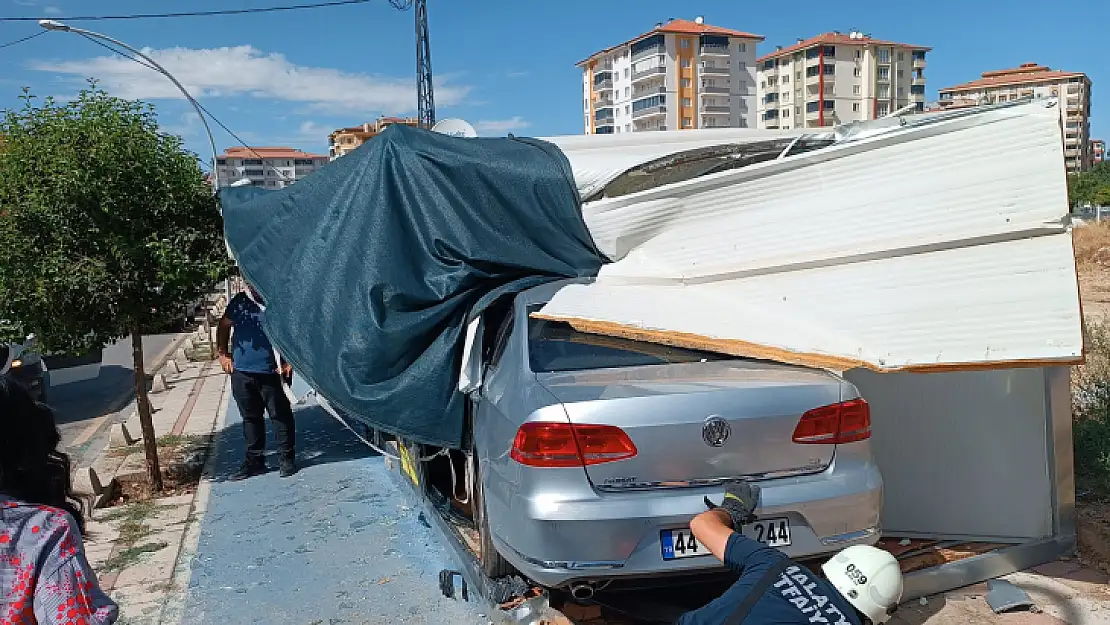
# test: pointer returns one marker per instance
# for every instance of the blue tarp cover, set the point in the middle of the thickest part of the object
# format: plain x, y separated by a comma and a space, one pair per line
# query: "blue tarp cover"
371, 267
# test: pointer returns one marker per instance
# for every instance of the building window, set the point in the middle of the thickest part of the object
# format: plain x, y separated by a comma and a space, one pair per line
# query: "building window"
686, 102
856, 89
899, 72
901, 56
687, 122
786, 79
684, 43
685, 63
813, 53
830, 51
811, 107
252, 161
743, 47
626, 92
920, 107
883, 109
627, 109
855, 107
884, 73
829, 105
918, 55
917, 89
857, 72
884, 55
685, 83
901, 92
628, 127
221, 161
829, 69
884, 91
859, 53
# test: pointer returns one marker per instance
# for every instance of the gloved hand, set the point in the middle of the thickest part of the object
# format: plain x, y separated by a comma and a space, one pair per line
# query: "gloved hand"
740, 501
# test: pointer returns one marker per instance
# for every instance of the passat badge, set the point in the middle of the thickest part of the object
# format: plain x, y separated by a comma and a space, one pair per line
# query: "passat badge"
715, 431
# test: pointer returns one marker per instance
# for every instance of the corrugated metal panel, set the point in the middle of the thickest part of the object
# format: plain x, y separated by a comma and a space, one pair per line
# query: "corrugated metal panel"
926, 247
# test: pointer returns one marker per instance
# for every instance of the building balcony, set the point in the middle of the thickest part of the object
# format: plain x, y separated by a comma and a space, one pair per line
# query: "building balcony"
647, 74
651, 111
716, 90
648, 91
604, 120
646, 52
714, 109
918, 81
715, 71
714, 50
919, 63
604, 85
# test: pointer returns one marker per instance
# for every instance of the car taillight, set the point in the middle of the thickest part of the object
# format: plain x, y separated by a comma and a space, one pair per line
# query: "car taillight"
846, 422
570, 445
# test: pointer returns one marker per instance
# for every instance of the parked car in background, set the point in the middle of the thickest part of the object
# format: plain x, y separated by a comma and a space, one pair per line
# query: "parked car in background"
23, 363
590, 454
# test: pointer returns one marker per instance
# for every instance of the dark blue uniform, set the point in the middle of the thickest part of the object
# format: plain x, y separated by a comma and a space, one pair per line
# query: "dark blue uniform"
796, 596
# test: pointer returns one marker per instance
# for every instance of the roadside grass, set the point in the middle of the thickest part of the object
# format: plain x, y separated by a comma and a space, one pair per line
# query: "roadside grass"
1092, 243
130, 556
1091, 413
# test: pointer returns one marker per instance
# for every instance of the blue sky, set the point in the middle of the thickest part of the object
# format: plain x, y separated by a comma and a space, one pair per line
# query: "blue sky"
504, 65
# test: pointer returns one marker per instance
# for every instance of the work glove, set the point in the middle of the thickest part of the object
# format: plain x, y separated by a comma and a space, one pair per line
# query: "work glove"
740, 501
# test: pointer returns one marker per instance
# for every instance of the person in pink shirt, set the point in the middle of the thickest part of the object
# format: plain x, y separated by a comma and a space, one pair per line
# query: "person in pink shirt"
45, 578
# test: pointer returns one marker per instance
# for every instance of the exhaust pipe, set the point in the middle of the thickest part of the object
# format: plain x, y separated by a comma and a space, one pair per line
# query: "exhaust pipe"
582, 591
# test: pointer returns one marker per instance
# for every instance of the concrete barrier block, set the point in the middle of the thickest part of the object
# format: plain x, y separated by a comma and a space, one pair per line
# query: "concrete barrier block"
172, 366
188, 343
180, 356
159, 384
86, 481
120, 436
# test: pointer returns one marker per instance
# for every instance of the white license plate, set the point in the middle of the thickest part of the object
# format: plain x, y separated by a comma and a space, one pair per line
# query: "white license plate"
680, 543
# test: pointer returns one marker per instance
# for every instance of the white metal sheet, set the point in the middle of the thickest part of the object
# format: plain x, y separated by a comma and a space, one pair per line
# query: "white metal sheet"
927, 247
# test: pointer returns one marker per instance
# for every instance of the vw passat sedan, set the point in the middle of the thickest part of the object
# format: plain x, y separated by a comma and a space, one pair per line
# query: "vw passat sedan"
591, 454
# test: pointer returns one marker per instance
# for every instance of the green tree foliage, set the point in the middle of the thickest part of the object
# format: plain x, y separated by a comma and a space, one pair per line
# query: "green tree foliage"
1091, 186
107, 228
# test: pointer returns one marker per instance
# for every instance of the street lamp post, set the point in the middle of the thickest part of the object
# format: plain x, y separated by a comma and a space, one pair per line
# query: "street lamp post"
65, 28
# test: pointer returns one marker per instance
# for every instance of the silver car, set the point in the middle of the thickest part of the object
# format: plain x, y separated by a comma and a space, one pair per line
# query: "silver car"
592, 454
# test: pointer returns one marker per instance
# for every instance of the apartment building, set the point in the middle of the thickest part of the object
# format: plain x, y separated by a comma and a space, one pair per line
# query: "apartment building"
1031, 80
344, 140
1098, 151
682, 74
838, 78
272, 167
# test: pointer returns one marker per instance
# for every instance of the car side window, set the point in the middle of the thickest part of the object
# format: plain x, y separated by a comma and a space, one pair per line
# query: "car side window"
502, 340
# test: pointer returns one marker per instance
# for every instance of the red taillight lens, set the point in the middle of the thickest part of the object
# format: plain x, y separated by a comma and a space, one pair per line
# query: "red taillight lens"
567, 445
846, 422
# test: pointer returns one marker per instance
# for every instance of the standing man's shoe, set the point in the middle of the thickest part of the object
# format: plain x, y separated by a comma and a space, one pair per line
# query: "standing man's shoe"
249, 468
288, 466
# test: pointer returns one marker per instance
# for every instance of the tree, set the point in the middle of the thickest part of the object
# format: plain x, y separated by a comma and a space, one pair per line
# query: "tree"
107, 229
1089, 186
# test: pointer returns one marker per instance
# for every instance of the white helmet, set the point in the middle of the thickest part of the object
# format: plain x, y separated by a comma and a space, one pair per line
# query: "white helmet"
869, 578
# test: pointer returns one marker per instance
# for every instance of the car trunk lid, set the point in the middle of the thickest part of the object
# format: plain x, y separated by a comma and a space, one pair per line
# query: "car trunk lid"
700, 423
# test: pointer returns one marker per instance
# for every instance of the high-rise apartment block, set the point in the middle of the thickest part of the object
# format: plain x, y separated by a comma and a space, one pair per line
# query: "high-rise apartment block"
1031, 80
680, 75
1098, 151
837, 78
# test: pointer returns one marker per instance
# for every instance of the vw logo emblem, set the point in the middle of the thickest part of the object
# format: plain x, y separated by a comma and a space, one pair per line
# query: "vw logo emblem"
715, 431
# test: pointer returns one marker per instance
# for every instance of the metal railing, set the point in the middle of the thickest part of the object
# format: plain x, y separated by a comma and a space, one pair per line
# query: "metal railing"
649, 72
649, 111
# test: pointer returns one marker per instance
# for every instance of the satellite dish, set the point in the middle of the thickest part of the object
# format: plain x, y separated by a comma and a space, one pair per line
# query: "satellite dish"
455, 127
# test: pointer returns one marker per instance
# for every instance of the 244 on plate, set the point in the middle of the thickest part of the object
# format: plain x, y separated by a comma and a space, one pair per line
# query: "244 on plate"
680, 543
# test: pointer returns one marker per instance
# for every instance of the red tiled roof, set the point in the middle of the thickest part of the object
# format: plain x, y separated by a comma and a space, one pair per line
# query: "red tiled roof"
1025, 73
836, 39
679, 27
267, 152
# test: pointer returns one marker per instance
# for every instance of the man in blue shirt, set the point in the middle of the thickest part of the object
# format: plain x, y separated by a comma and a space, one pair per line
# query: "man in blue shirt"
862, 584
256, 383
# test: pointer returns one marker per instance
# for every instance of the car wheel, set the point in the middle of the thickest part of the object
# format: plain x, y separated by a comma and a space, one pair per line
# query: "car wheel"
493, 565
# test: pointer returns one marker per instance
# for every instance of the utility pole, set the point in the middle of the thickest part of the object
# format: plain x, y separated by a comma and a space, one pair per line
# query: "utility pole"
425, 98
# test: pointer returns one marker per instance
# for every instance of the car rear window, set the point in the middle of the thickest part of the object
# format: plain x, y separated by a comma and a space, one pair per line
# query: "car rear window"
556, 346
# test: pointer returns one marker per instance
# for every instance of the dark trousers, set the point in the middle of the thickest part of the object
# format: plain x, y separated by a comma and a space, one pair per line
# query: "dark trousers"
257, 394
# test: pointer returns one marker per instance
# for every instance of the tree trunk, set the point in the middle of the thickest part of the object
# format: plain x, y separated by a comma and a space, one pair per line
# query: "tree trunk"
146, 420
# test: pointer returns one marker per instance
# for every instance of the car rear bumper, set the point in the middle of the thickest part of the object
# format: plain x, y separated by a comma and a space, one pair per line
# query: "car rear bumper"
605, 535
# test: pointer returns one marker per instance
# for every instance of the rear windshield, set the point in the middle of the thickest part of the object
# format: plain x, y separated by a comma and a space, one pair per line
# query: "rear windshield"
556, 346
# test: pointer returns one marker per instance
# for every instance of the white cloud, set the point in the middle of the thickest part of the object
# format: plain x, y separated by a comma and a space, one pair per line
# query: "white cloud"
501, 126
245, 70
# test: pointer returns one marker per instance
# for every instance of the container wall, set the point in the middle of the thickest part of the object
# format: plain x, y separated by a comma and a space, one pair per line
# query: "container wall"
962, 454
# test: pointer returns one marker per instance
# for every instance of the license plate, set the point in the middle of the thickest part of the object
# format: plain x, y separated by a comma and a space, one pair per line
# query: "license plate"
680, 543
